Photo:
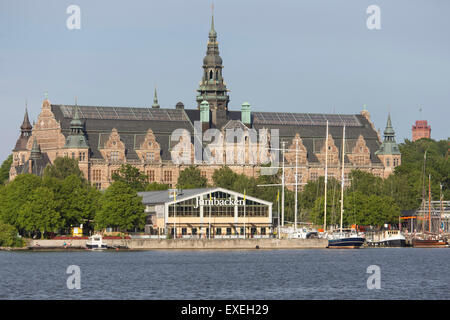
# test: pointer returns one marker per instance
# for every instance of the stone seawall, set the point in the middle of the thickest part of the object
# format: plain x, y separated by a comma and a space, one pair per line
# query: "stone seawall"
193, 244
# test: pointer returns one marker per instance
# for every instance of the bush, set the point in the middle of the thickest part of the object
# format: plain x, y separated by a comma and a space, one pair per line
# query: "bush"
9, 236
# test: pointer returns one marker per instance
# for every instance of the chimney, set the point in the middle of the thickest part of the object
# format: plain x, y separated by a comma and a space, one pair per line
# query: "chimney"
246, 116
204, 115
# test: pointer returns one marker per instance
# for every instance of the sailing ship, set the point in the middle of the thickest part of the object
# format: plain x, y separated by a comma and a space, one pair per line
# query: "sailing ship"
433, 238
344, 238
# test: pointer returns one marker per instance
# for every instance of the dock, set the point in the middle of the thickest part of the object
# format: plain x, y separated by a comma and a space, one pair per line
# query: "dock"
188, 244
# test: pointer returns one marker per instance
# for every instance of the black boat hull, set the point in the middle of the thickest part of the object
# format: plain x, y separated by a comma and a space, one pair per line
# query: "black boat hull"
389, 243
346, 243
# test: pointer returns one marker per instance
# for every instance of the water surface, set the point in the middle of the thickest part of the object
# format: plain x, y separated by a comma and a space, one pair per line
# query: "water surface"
406, 273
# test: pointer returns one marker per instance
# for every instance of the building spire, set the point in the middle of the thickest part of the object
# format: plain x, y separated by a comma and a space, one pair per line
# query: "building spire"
212, 31
155, 100
26, 125
389, 146
35, 150
389, 131
212, 87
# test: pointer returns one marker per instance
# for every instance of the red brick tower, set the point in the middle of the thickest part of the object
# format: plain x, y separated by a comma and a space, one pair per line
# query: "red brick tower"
421, 130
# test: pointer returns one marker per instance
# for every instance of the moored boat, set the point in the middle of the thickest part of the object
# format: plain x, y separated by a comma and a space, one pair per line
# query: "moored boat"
388, 238
429, 241
95, 242
347, 239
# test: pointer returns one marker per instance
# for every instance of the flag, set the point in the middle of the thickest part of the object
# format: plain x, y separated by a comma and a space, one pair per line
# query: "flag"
278, 195
244, 194
175, 195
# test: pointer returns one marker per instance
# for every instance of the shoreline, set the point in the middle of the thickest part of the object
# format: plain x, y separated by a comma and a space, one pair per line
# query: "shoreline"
173, 244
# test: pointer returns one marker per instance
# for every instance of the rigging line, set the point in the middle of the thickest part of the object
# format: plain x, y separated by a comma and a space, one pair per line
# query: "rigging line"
333, 209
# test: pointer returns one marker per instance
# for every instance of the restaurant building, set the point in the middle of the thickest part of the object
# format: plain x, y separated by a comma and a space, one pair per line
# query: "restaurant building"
207, 212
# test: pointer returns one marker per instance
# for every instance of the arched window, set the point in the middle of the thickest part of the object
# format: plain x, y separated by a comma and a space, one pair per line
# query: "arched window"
217, 75
210, 75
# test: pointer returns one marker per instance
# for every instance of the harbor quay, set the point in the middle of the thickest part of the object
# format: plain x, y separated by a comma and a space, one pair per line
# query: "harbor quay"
192, 244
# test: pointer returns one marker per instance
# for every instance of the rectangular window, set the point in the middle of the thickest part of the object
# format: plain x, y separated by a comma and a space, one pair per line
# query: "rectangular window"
219, 231
263, 231
150, 156
167, 176
314, 176
114, 156
96, 175
151, 175
98, 185
228, 231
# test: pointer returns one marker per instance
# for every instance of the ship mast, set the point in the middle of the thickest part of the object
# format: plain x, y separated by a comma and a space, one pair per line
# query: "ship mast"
342, 177
326, 181
429, 203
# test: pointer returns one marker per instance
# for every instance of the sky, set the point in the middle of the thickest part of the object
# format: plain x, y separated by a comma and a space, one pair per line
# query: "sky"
315, 56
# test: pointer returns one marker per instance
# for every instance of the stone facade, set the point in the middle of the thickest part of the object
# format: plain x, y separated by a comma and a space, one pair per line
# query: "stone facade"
160, 142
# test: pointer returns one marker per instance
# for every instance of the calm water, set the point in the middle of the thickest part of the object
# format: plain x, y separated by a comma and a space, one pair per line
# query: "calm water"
406, 273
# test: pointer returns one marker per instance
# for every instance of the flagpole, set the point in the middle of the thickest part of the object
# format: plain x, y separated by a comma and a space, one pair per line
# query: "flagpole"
278, 200
175, 215
245, 231
325, 182
296, 184
282, 189
209, 220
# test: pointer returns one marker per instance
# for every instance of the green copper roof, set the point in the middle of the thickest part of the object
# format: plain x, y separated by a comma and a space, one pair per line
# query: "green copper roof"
389, 146
35, 149
246, 113
389, 131
76, 139
155, 100
204, 111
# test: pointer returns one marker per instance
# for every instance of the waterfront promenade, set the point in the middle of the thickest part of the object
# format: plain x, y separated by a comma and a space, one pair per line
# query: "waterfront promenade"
192, 244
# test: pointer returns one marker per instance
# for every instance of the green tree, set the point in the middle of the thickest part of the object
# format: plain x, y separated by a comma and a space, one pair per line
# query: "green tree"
155, 186
76, 200
8, 236
121, 208
39, 213
62, 168
4, 169
14, 195
224, 177
131, 176
366, 182
191, 178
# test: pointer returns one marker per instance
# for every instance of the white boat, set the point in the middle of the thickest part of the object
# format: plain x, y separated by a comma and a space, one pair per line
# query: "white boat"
300, 233
95, 242
387, 238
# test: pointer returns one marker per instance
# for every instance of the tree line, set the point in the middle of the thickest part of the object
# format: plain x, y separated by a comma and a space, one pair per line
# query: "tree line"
62, 198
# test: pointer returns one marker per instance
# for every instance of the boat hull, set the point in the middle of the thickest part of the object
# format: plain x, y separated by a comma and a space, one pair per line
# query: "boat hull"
420, 243
395, 243
346, 243
96, 247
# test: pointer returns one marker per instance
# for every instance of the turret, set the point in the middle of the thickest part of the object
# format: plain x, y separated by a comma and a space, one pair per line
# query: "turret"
212, 86
389, 153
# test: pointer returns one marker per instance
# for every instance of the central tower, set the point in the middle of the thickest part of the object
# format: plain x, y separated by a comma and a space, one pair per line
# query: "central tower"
212, 87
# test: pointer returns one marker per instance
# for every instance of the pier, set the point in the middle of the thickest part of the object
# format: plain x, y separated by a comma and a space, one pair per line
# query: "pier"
189, 244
